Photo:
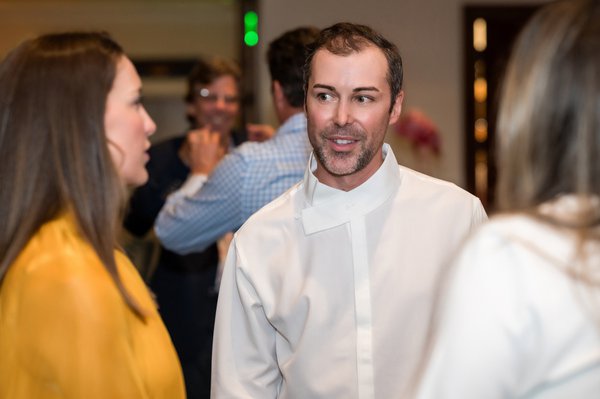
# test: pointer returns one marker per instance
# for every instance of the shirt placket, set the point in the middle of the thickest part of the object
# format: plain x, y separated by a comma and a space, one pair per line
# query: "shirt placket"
362, 306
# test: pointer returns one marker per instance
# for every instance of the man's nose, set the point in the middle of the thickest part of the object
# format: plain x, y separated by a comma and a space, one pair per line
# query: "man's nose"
343, 114
220, 102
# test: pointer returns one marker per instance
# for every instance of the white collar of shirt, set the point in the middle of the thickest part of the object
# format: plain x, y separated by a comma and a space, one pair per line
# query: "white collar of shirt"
328, 207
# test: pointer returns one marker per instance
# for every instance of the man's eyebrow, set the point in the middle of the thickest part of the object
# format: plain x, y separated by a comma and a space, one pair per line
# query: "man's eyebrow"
355, 90
370, 88
321, 86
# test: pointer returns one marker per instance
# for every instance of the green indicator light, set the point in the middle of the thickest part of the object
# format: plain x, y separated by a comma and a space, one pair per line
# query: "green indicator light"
251, 39
250, 20
251, 28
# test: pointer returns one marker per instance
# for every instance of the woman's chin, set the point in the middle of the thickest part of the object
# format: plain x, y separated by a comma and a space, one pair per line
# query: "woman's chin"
137, 180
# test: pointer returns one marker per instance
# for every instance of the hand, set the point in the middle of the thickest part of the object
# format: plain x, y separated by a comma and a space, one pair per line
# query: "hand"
257, 132
204, 150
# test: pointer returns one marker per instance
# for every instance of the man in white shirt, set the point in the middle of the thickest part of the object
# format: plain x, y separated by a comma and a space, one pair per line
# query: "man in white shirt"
327, 290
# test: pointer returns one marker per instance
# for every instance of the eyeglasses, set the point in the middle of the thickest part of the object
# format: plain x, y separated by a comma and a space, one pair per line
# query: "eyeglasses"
206, 95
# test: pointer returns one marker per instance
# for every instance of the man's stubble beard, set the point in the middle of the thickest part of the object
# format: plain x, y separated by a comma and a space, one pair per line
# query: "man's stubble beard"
327, 157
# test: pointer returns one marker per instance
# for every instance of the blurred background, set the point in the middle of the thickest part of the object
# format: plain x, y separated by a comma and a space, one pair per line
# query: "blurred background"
453, 53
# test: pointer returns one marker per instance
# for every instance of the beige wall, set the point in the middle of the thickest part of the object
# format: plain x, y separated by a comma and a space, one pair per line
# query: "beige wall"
146, 29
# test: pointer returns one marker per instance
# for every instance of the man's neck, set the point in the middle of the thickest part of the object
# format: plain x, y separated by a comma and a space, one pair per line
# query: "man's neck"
285, 113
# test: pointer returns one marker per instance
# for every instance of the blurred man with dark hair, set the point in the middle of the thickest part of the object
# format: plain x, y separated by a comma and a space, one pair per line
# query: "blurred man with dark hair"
254, 173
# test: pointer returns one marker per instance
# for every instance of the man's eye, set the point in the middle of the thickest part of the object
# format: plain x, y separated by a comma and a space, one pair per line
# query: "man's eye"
363, 99
324, 96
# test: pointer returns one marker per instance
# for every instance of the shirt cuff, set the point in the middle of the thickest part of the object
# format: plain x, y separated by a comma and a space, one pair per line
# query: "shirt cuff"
192, 185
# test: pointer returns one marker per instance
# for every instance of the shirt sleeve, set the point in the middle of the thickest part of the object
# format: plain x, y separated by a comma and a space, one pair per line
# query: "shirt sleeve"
483, 327
74, 338
192, 220
244, 358
192, 184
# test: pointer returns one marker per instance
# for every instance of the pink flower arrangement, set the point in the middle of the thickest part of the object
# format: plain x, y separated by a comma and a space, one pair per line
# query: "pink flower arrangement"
415, 126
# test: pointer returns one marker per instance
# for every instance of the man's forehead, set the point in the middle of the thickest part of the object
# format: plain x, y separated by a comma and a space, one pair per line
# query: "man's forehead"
369, 50
221, 81
368, 64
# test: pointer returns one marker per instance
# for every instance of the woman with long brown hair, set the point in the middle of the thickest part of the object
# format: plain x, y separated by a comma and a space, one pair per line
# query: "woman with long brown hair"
76, 320
521, 315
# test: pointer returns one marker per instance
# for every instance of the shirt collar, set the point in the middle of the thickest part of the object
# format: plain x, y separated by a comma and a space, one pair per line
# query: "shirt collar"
328, 207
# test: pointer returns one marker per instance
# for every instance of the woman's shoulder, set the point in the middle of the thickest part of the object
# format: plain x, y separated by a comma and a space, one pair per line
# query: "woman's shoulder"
57, 248
521, 231
519, 248
57, 259
59, 272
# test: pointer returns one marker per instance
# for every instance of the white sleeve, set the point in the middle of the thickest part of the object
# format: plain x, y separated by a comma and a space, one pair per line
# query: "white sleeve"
192, 184
244, 361
482, 327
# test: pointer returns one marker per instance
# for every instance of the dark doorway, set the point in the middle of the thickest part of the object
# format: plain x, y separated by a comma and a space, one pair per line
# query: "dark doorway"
489, 33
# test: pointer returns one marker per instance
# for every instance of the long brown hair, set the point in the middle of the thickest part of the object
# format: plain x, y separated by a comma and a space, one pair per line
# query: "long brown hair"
549, 122
549, 117
53, 92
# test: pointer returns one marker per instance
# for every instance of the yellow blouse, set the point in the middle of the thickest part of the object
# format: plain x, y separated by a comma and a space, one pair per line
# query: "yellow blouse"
66, 332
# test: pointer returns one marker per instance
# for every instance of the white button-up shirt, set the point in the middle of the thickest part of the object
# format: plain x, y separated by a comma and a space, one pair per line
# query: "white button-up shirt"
326, 293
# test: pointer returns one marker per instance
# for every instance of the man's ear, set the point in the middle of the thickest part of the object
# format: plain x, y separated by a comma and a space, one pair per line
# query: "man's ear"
397, 108
278, 96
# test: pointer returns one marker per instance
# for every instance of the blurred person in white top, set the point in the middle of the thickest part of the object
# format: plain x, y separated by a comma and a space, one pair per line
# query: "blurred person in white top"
520, 316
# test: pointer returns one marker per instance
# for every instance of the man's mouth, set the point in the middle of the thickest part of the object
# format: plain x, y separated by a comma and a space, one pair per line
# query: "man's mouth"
343, 141
342, 144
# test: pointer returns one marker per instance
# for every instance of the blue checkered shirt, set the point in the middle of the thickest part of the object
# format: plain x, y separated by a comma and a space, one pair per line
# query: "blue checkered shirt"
243, 182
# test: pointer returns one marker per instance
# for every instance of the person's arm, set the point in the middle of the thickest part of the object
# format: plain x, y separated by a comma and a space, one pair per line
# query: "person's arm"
483, 332
244, 358
192, 221
73, 335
